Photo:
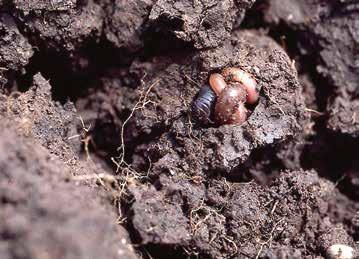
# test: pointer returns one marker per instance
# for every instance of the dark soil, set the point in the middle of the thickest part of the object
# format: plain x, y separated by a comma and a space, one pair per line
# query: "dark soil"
101, 156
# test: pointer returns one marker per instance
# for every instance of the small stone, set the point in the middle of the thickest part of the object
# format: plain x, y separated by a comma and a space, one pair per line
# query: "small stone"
339, 251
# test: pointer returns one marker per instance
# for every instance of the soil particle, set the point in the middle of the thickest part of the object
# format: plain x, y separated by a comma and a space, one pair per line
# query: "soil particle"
106, 115
329, 32
281, 253
344, 116
47, 121
64, 25
336, 235
157, 219
293, 12
56, 127
26, 7
309, 92
15, 50
203, 23
244, 221
341, 69
45, 216
125, 23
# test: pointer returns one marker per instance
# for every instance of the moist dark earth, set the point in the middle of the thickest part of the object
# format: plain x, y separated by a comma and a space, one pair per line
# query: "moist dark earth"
101, 155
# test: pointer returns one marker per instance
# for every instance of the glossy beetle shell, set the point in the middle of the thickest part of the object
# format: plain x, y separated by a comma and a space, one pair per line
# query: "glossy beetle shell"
203, 106
230, 107
238, 75
217, 83
228, 93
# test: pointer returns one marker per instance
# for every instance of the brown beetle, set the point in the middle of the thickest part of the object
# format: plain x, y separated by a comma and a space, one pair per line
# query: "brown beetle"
228, 93
229, 107
240, 76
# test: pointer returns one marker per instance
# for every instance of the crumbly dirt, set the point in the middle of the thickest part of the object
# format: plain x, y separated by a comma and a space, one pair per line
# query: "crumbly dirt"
101, 156
15, 48
335, 27
44, 215
64, 25
206, 24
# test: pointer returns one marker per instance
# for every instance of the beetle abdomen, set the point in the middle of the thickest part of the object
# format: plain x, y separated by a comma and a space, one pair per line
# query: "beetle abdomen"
203, 106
